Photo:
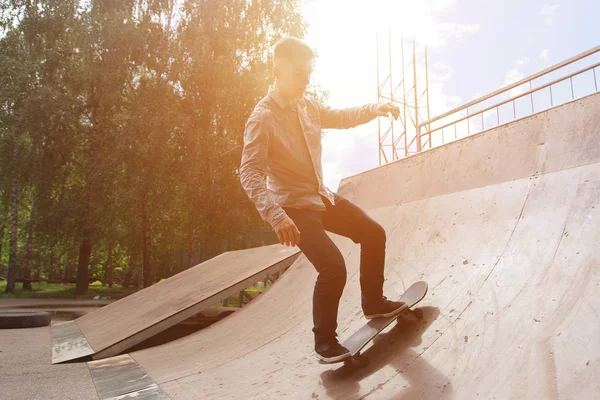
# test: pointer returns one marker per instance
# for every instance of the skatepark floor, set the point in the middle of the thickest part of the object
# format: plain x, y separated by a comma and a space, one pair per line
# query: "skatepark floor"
26, 371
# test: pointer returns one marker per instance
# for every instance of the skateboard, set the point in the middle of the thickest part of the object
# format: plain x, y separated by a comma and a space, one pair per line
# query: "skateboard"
359, 339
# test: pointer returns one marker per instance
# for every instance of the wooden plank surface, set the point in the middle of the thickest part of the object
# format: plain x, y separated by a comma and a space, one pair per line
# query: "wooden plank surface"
202, 303
126, 322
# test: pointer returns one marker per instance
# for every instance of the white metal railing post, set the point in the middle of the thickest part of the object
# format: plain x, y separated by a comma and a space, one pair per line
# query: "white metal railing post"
417, 127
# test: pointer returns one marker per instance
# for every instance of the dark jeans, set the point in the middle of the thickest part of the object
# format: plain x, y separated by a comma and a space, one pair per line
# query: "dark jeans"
346, 219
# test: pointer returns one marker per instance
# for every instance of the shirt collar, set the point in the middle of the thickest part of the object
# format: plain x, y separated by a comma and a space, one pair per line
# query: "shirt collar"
283, 103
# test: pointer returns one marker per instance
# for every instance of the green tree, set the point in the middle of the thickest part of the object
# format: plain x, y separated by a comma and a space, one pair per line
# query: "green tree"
121, 128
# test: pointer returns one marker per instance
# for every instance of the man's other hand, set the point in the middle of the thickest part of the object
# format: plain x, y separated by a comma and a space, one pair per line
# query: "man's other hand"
386, 108
287, 232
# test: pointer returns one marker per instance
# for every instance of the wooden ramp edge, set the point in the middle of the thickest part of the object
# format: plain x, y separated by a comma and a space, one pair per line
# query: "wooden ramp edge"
124, 323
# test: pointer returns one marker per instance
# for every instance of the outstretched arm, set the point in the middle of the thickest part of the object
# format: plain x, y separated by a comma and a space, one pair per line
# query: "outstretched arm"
351, 117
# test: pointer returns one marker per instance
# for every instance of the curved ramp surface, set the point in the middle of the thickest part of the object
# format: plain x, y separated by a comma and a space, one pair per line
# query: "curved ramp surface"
502, 225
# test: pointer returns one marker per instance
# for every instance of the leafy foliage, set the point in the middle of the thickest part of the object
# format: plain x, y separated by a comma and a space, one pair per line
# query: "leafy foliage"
128, 118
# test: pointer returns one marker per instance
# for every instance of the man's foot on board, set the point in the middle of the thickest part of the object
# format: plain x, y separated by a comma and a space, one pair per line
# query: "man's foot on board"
331, 351
383, 308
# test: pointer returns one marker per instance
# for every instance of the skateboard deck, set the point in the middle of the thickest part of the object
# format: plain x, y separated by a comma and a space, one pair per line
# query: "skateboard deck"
359, 339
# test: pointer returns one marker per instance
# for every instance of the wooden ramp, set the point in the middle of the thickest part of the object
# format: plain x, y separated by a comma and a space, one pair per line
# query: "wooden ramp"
126, 322
504, 227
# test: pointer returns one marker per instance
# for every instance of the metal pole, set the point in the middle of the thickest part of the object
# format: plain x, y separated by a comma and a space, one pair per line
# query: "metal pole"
394, 155
427, 88
595, 83
498, 114
418, 131
468, 123
404, 98
572, 92
531, 97
378, 96
551, 102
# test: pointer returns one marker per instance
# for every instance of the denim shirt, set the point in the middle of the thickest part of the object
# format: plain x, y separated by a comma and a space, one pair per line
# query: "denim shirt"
281, 160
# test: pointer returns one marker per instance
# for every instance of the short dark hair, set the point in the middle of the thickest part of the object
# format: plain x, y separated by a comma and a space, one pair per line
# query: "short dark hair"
292, 49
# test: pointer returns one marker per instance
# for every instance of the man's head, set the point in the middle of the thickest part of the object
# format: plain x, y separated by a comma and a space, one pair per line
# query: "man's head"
293, 62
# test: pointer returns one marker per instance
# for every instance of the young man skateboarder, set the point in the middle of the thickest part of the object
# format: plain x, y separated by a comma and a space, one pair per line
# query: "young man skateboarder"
282, 174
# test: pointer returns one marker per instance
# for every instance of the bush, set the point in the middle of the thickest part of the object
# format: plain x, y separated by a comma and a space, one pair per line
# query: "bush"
96, 283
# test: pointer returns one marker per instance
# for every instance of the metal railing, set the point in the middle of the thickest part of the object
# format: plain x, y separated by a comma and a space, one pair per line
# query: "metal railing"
440, 124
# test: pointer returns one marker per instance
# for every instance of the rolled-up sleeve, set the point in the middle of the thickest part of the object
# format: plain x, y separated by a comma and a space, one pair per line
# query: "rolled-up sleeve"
347, 117
253, 169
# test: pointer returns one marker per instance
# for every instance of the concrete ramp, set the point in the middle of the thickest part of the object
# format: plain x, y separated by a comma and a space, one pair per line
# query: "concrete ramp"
139, 316
504, 226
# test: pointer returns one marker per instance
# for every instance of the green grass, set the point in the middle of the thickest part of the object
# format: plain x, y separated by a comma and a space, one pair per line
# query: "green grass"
43, 290
254, 290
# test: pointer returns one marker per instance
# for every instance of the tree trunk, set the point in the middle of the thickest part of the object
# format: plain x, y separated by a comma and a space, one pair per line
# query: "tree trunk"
85, 250
127, 279
147, 268
27, 261
110, 277
50, 265
68, 271
109, 265
2, 230
189, 253
180, 260
12, 258
59, 272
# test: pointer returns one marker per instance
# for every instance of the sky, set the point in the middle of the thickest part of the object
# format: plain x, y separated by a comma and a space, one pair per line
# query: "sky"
474, 47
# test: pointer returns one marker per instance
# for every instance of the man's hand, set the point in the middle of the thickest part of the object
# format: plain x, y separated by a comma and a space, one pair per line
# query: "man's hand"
386, 108
287, 232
